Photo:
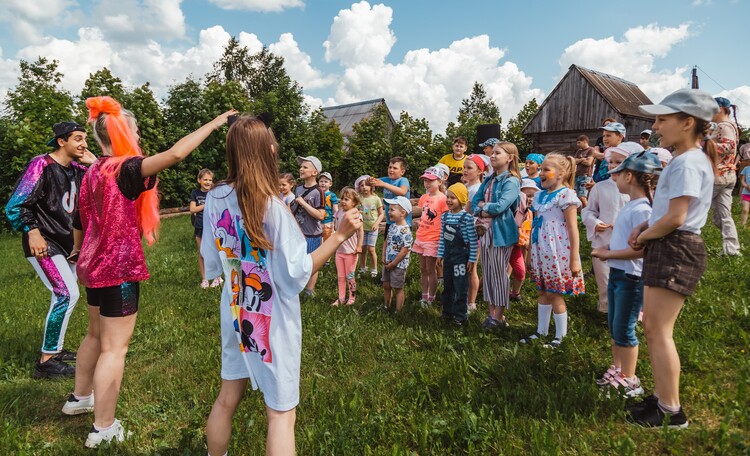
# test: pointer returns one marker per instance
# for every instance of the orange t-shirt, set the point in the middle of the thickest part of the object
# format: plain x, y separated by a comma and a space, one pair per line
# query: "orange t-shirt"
429, 224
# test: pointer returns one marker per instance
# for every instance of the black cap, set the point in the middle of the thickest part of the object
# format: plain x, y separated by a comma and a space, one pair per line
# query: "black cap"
63, 128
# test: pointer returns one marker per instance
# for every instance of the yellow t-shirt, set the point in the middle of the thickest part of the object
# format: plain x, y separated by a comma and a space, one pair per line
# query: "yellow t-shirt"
456, 167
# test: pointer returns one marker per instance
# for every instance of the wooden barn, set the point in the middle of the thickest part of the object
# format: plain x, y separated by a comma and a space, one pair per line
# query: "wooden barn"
579, 103
346, 116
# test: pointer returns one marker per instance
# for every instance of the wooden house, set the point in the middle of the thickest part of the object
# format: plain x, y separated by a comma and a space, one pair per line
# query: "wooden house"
346, 116
579, 103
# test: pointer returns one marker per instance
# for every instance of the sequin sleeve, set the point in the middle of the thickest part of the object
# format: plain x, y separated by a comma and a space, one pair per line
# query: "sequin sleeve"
29, 189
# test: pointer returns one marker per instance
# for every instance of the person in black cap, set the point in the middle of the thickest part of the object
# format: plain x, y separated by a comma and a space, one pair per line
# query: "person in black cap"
42, 207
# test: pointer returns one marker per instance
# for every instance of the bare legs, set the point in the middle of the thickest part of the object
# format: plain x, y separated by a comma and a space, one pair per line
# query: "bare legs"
88, 354
428, 276
201, 266
115, 334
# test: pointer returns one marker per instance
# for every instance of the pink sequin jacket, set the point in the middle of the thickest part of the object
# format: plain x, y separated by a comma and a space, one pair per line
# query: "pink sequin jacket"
111, 253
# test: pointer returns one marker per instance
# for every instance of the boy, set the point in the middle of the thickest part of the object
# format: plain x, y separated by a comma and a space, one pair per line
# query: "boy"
533, 162
455, 160
308, 209
645, 139
42, 208
396, 251
331, 203
197, 201
584, 157
393, 185
613, 133
457, 252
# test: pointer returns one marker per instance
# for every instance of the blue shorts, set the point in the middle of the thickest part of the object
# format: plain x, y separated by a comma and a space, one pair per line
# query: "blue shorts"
371, 238
625, 298
581, 190
313, 243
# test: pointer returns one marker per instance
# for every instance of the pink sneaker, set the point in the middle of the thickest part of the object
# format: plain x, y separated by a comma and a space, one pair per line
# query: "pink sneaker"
217, 282
204, 283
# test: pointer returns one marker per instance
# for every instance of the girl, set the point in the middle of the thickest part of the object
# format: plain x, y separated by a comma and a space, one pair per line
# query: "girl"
745, 194
372, 216
725, 136
346, 254
474, 168
118, 204
253, 238
495, 204
674, 257
519, 254
428, 234
636, 177
555, 263
287, 183
605, 202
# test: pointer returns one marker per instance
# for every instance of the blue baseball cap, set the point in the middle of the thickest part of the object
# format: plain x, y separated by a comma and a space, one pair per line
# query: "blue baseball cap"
642, 162
490, 142
617, 127
723, 102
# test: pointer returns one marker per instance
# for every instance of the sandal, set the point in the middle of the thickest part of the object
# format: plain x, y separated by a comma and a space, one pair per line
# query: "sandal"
607, 377
350, 301
335, 303
555, 343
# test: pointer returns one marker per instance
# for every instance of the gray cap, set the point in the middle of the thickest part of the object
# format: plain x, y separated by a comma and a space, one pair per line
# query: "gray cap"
643, 162
694, 102
312, 159
400, 201
327, 175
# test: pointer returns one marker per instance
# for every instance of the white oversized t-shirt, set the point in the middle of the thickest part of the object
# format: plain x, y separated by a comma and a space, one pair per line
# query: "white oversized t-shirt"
631, 215
261, 324
688, 174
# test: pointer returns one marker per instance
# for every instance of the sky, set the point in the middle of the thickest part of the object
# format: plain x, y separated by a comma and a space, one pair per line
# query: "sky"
422, 56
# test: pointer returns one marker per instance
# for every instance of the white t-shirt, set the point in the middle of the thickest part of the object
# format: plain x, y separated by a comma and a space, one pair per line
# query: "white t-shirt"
688, 174
261, 325
631, 215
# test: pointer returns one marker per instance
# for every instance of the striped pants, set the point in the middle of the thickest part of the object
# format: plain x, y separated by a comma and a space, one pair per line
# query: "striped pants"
495, 280
59, 277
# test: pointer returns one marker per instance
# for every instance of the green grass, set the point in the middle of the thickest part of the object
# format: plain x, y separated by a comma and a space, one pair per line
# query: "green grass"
381, 383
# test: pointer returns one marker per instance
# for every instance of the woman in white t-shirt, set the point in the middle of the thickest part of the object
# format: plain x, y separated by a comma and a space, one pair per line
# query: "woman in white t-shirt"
253, 239
675, 256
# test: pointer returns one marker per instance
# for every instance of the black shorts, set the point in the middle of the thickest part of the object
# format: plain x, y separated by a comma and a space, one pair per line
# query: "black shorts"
198, 232
675, 262
117, 301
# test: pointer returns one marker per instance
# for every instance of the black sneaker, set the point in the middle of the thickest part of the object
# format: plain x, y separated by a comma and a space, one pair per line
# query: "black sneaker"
646, 403
66, 356
653, 417
53, 368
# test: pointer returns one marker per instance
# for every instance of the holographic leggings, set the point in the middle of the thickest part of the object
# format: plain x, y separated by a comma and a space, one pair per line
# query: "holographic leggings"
59, 277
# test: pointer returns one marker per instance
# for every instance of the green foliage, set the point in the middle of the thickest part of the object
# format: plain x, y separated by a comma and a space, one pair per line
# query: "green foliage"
412, 140
325, 142
515, 126
476, 110
369, 147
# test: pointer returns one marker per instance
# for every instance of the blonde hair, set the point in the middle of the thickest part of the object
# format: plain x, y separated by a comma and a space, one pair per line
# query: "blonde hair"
512, 150
566, 165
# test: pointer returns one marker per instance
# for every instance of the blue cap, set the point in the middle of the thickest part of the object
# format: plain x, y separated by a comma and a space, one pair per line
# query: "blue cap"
723, 102
642, 162
490, 142
614, 126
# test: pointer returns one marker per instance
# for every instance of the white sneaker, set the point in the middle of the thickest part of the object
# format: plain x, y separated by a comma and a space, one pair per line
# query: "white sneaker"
114, 432
75, 406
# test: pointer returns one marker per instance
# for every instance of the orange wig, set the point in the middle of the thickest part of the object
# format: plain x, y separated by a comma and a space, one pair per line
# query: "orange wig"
120, 138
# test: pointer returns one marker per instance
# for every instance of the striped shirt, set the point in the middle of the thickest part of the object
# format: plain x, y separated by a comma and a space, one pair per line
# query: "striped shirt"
468, 232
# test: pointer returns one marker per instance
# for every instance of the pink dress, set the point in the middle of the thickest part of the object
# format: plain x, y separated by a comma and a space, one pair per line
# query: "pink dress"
550, 244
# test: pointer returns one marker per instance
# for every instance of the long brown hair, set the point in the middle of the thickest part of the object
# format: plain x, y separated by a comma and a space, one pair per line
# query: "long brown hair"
702, 129
566, 165
512, 150
253, 171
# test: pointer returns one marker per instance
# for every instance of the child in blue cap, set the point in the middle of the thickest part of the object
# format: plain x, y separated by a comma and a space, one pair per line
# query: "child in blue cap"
533, 162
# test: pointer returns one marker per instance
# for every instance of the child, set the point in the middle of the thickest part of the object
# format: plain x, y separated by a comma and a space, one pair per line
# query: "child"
519, 254
555, 262
645, 139
636, 177
428, 234
346, 254
287, 183
46, 225
455, 160
663, 154
474, 168
533, 162
393, 185
613, 133
331, 203
675, 257
745, 196
458, 253
396, 250
605, 201
372, 216
252, 238
495, 204
308, 208
118, 204
197, 200
584, 157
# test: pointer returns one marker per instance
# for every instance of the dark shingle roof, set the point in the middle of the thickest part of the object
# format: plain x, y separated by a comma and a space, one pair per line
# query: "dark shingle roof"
349, 114
624, 96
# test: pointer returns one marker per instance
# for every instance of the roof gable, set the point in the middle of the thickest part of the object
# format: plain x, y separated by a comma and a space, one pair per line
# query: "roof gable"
622, 95
346, 116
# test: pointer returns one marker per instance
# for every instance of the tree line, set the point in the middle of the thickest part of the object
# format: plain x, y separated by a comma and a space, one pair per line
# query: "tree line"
249, 82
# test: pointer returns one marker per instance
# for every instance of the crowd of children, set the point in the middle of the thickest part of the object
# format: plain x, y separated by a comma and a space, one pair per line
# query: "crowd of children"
269, 238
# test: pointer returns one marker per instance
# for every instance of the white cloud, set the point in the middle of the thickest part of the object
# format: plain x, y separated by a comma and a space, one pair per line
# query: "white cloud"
9, 72
268, 6
140, 20
27, 17
360, 35
633, 58
739, 96
298, 64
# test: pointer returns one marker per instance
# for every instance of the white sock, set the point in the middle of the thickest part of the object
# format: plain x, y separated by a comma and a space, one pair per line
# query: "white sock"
106, 428
561, 325
545, 312
82, 398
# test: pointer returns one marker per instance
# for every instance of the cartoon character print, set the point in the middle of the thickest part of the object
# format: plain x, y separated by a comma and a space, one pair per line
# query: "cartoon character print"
226, 237
430, 213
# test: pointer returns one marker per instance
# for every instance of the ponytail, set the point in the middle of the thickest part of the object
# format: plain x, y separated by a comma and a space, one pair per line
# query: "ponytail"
566, 165
701, 130
647, 182
570, 179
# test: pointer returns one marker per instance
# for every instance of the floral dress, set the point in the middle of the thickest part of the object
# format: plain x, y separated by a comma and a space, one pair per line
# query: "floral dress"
550, 244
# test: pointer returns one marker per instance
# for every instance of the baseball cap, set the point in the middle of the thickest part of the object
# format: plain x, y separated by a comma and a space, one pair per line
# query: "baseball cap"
63, 128
444, 170
663, 154
626, 149
327, 175
359, 180
432, 173
723, 102
400, 201
693, 102
643, 162
646, 132
490, 142
614, 126
528, 183
312, 159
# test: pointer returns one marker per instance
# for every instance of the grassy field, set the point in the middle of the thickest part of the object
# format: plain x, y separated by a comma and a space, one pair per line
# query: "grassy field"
378, 383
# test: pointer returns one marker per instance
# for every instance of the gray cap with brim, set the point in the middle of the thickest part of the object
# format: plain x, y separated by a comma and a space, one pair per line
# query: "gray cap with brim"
693, 102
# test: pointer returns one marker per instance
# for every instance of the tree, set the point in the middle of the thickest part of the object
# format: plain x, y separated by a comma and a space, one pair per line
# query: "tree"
476, 110
515, 126
326, 143
143, 105
369, 146
412, 140
101, 83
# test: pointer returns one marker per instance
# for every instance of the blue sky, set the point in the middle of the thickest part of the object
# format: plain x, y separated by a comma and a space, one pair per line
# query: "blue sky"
422, 56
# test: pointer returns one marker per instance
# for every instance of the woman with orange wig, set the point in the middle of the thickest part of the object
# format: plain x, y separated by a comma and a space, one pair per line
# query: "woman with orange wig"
119, 204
